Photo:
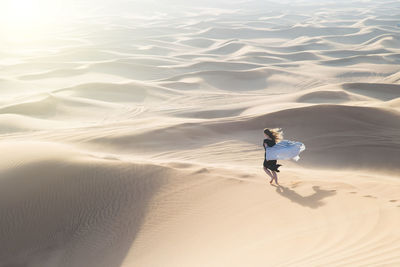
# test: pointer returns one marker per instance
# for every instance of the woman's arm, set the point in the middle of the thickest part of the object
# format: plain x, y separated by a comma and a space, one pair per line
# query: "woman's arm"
265, 143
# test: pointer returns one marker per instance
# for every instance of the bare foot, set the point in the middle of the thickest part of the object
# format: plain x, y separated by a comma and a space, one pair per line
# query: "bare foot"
271, 181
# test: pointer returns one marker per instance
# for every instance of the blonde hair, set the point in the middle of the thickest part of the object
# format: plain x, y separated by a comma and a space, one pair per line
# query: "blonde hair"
275, 133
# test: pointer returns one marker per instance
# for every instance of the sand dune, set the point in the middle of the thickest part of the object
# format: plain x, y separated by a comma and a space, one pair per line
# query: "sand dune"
381, 91
11, 123
198, 42
293, 32
56, 107
328, 97
63, 214
131, 135
395, 78
94, 208
112, 92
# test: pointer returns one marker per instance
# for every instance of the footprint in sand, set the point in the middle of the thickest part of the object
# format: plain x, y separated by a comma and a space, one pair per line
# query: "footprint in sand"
353, 192
202, 170
393, 200
369, 196
294, 184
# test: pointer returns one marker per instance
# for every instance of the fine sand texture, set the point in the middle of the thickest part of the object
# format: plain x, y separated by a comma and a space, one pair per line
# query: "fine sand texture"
132, 135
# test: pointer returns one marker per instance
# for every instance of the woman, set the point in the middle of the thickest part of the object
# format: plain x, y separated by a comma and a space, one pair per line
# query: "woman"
272, 136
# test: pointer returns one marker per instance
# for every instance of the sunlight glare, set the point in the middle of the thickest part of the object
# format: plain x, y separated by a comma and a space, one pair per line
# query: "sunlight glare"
22, 19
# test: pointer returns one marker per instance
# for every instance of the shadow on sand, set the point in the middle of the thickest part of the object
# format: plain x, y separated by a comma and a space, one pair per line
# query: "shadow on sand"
312, 201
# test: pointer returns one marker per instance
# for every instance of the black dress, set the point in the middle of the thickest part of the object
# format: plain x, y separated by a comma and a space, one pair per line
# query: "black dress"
270, 164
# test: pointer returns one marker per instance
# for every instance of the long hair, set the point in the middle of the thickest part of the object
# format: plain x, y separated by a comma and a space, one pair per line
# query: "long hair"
275, 134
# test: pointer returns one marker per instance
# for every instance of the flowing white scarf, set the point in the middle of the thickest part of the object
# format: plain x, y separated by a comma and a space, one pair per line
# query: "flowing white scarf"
285, 149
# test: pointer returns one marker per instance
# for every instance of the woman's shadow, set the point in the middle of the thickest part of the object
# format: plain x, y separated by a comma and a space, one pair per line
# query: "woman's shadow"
312, 201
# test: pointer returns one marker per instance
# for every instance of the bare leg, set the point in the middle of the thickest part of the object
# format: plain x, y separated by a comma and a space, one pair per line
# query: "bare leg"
269, 174
275, 177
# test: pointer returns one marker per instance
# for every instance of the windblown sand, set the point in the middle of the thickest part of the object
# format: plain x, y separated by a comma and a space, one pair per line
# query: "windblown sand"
135, 139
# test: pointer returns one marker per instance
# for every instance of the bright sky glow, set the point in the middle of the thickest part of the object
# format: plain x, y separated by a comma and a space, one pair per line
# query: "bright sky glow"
23, 19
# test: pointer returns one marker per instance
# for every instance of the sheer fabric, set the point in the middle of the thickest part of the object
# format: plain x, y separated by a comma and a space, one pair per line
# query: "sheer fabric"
285, 149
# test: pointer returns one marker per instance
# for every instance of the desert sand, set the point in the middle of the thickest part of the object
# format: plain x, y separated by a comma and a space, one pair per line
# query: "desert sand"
131, 135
